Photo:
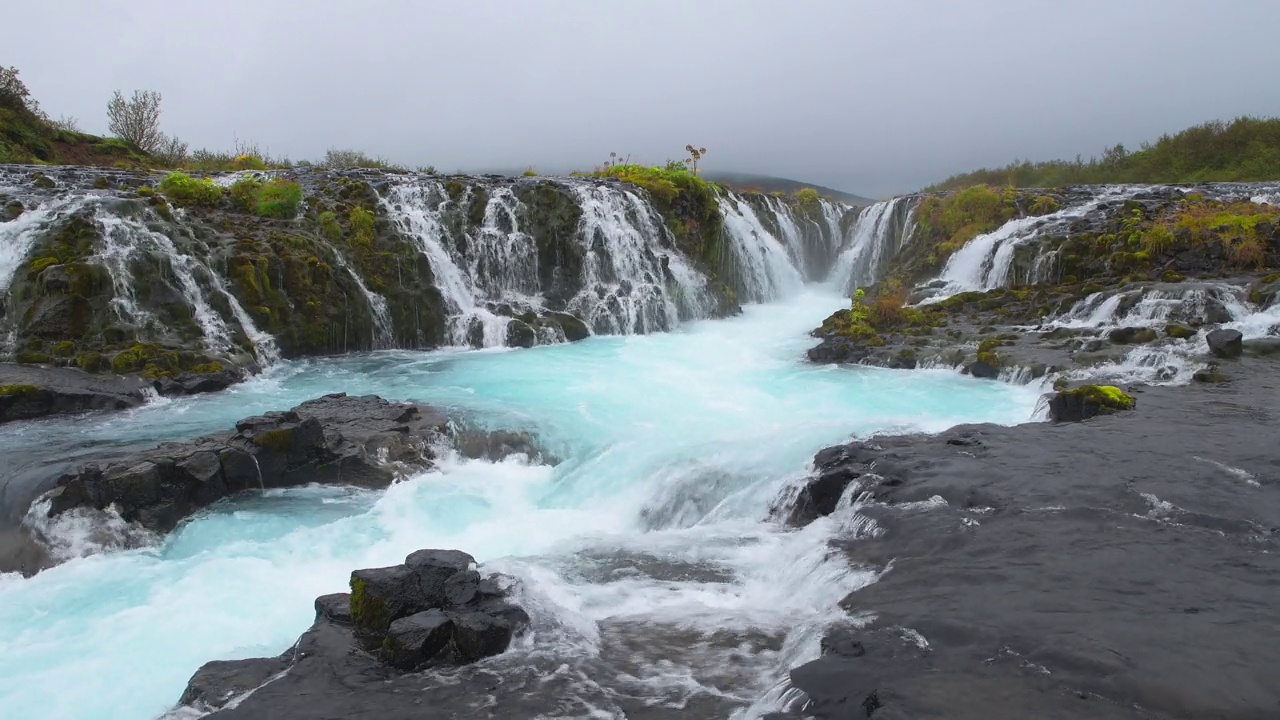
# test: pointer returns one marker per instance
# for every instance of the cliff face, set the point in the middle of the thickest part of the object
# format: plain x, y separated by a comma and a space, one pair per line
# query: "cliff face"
120, 271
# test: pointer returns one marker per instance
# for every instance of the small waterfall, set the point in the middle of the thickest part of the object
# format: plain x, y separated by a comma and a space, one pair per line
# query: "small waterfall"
1156, 307
18, 235
624, 283
763, 267
125, 240
984, 262
383, 335
415, 207
879, 232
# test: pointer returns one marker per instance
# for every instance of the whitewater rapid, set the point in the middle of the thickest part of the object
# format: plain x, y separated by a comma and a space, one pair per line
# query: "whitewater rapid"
674, 447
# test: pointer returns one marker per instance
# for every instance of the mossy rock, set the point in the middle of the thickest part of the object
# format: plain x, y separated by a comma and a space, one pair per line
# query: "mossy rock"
1181, 332
19, 390
28, 357
1087, 401
279, 440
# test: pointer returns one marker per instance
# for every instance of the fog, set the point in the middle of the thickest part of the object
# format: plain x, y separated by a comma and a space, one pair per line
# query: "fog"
869, 97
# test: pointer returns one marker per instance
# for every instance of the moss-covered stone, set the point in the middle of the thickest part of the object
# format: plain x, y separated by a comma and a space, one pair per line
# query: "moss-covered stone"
19, 390
1087, 401
368, 611
279, 440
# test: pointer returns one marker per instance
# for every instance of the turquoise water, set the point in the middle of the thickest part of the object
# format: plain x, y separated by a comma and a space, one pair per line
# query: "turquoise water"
674, 448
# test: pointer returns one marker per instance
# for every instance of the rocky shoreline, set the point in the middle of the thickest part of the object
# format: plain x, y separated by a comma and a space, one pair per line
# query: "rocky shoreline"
1117, 568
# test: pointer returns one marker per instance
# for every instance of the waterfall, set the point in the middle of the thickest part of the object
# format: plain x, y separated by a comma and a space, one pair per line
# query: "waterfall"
416, 208
18, 235
763, 268
879, 231
125, 240
1156, 307
624, 282
383, 334
984, 262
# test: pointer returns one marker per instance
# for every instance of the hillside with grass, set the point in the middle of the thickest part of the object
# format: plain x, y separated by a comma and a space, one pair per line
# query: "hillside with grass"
1246, 149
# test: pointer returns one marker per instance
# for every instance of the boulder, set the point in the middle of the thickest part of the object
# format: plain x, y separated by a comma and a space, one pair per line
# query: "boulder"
1087, 401
335, 607
336, 439
28, 392
1132, 336
573, 328
418, 639
519, 334
390, 624
1225, 343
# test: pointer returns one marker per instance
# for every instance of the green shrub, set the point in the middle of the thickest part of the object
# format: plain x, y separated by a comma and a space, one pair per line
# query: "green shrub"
329, 226
362, 226
279, 198
187, 191
244, 193
808, 197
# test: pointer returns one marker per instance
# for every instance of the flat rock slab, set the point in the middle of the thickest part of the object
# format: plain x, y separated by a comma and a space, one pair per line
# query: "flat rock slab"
337, 439
33, 391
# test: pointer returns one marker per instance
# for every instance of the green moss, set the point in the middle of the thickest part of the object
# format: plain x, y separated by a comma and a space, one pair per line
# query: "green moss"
1267, 280
1181, 332
146, 191
210, 367
90, 362
1172, 276
279, 439
40, 264
1106, 397
18, 390
66, 348
368, 612
31, 357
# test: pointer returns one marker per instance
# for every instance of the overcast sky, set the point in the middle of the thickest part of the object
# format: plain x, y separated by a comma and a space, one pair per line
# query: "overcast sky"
869, 97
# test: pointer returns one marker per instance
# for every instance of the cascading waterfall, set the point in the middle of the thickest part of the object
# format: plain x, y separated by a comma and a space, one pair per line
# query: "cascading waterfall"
124, 239
984, 262
18, 235
763, 267
624, 288
383, 335
415, 206
873, 239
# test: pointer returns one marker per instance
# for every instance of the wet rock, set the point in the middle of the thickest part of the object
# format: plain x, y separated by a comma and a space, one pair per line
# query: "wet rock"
1225, 343
573, 328
519, 334
359, 664
1132, 336
478, 635
1087, 401
1262, 346
416, 640
28, 392
1180, 332
983, 369
335, 607
497, 445
335, 439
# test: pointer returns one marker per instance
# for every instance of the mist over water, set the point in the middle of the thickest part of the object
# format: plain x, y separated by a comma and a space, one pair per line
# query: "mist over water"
674, 447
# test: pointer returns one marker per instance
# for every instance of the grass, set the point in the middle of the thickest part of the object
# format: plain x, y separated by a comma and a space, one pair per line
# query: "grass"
187, 191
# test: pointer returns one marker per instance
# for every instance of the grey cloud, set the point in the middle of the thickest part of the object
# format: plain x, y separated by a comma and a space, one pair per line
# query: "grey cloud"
870, 97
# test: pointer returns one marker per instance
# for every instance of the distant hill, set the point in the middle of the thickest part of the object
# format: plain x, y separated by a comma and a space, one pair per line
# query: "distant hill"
1243, 150
769, 183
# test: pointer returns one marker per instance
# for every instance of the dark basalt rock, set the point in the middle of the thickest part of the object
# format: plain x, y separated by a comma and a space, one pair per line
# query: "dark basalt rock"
28, 392
1226, 343
983, 369
1132, 336
335, 439
344, 657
